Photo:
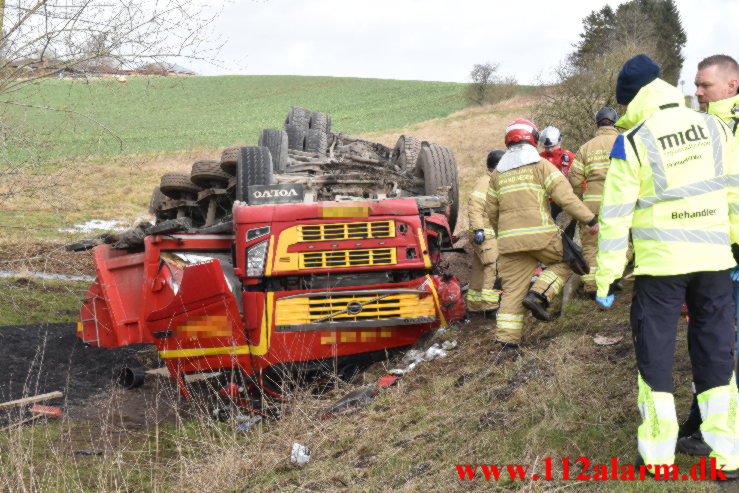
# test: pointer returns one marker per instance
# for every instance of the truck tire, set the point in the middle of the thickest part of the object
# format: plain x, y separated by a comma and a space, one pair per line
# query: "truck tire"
320, 121
406, 151
174, 185
208, 174
438, 168
156, 201
254, 168
300, 117
295, 137
316, 141
276, 141
229, 158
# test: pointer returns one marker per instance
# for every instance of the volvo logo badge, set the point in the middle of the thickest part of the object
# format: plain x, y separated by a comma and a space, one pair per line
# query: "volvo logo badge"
354, 307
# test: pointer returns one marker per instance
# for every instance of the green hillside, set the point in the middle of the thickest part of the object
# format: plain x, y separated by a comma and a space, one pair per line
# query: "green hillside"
165, 114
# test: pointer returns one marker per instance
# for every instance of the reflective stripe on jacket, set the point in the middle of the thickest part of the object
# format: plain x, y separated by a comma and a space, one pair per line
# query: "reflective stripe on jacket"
668, 183
478, 217
591, 166
517, 203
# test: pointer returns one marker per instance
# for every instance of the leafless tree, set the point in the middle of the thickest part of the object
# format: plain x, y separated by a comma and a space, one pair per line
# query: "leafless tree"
42, 39
578, 92
488, 86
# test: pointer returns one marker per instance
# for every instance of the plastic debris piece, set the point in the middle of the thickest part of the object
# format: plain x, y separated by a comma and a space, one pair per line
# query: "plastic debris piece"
602, 340
449, 345
300, 454
249, 422
388, 381
353, 401
88, 452
434, 352
46, 410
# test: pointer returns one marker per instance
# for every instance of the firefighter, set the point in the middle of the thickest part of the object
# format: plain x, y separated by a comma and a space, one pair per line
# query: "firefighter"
717, 83
482, 295
551, 141
591, 165
668, 183
517, 203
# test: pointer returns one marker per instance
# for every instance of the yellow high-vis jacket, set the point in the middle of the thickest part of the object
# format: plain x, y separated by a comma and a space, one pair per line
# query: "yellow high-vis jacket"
668, 185
478, 216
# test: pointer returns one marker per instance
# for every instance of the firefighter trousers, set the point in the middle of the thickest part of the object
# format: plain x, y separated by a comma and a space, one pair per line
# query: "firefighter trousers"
515, 271
655, 310
482, 294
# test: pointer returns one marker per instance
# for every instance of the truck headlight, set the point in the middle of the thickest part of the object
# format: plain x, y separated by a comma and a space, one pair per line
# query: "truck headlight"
256, 257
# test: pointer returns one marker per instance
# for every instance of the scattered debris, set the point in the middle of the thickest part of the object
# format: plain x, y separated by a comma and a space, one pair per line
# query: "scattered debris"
88, 452
300, 454
42, 410
449, 345
249, 422
602, 340
415, 356
353, 401
388, 380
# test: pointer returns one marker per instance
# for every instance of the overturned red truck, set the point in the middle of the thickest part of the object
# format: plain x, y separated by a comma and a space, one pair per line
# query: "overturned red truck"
284, 284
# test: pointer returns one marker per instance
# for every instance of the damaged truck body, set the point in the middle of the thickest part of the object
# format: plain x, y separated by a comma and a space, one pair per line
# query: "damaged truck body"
279, 263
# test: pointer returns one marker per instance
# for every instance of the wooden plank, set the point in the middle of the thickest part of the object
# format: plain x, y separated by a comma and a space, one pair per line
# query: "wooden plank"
30, 400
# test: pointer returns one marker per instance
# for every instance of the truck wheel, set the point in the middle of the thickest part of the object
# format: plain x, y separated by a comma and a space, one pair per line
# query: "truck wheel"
208, 174
438, 168
276, 141
295, 137
229, 158
316, 141
254, 168
406, 152
174, 185
320, 121
156, 201
300, 117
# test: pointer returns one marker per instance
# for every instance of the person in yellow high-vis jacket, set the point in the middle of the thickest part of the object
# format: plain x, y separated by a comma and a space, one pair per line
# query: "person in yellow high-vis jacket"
482, 295
717, 83
518, 207
670, 185
590, 167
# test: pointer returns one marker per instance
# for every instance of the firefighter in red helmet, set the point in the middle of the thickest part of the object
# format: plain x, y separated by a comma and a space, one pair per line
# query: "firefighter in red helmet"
520, 188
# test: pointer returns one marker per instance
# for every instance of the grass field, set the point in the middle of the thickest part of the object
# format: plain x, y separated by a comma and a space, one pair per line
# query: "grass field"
154, 114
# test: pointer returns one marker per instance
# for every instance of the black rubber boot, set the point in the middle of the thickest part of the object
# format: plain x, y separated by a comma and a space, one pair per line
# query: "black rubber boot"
538, 305
694, 445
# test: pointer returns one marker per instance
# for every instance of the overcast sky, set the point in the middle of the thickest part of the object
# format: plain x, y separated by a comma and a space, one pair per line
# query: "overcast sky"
431, 39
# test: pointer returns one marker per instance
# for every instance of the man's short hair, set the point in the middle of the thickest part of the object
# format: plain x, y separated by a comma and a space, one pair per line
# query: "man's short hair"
723, 61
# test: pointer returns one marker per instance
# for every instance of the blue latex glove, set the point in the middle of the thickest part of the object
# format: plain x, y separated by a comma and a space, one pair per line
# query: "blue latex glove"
734, 273
479, 236
605, 301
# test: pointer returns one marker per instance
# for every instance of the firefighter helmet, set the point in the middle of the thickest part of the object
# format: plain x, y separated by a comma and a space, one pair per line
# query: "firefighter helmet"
606, 113
494, 158
550, 137
521, 131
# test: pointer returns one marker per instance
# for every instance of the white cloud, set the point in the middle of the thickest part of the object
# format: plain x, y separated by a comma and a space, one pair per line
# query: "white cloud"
431, 39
